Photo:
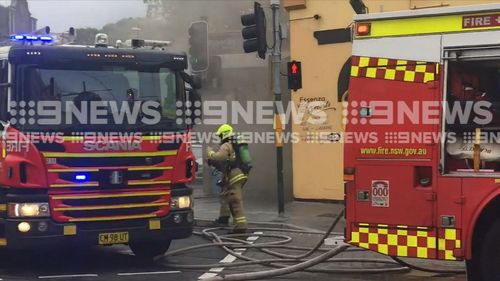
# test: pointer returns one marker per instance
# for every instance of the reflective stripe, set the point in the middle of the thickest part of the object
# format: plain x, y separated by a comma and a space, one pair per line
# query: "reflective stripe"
144, 138
146, 168
73, 138
112, 218
237, 178
110, 207
113, 154
422, 26
90, 184
240, 219
394, 70
94, 196
148, 182
75, 170
403, 241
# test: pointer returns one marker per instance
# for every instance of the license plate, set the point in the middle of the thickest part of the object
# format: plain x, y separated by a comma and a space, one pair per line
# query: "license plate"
113, 238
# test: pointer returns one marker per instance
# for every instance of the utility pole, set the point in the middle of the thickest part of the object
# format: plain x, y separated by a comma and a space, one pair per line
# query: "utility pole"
276, 62
254, 35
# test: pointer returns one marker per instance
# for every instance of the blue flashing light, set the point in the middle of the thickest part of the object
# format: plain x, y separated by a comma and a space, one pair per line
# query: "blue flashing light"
80, 177
31, 38
46, 38
16, 37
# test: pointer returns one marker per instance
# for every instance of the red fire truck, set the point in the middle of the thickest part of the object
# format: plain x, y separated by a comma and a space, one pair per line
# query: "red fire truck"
70, 170
422, 166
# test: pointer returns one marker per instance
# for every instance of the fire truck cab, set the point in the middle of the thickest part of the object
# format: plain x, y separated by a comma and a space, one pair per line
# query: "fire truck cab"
423, 170
93, 148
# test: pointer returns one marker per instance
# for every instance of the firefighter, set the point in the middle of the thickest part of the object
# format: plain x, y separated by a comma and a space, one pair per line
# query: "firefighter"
232, 180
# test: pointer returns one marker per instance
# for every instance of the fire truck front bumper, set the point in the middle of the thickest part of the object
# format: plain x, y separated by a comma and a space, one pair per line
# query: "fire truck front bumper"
30, 233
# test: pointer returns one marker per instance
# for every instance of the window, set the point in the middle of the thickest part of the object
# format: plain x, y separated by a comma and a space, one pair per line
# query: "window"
473, 108
120, 84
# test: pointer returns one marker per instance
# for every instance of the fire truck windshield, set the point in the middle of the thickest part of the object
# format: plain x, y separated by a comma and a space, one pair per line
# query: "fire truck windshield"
102, 98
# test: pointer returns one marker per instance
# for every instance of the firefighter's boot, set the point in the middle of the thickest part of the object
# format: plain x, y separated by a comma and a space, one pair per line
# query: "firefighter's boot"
224, 213
221, 222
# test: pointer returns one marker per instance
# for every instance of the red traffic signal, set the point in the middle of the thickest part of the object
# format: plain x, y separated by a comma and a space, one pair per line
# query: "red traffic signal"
295, 75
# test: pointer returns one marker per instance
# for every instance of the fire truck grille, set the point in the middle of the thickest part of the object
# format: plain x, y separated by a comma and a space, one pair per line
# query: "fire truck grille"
109, 206
111, 201
104, 177
110, 213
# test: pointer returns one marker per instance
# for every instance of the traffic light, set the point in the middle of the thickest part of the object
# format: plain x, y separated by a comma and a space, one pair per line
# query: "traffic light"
295, 75
198, 50
254, 31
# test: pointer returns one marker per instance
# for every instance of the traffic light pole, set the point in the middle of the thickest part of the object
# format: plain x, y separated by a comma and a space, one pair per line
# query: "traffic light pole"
276, 61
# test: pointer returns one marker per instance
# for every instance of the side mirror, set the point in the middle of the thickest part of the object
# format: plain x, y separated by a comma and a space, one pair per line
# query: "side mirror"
196, 109
196, 82
132, 94
193, 80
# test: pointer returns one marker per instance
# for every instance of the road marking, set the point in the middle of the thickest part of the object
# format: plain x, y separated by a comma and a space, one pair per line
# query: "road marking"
212, 272
207, 275
252, 238
217, 269
146, 273
67, 276
228, 259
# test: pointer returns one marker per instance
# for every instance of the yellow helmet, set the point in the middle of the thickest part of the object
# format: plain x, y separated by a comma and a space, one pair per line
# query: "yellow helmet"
225, 131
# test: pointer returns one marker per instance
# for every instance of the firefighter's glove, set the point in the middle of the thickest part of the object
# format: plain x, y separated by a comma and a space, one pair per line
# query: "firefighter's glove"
210, 152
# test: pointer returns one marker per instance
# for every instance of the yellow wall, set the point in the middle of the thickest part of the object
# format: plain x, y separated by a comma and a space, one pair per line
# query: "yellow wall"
317, 168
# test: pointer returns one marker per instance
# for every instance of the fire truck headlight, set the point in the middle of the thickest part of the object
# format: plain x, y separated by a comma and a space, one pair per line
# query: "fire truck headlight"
181, 202
29, 210
24, 227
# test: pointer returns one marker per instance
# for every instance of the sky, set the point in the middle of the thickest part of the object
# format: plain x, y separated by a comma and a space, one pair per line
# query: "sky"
61, 14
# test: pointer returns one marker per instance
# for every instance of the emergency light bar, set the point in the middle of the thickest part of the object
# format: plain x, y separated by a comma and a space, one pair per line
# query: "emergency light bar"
139, 43
29, 38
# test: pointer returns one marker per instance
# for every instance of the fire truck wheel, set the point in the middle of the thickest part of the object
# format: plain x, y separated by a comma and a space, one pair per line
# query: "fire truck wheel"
473, 270
489, 258
150, 249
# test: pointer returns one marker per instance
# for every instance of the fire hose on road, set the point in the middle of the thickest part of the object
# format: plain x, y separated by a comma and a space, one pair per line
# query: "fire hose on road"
280, 263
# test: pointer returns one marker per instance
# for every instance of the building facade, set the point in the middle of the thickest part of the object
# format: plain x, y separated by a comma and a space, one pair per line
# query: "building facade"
317, 158
16, 18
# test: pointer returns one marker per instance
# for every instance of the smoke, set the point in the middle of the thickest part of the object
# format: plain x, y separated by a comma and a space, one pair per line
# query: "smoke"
176, 16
